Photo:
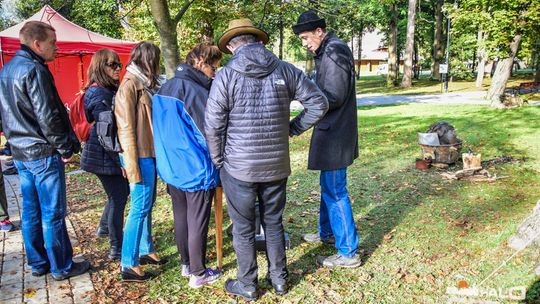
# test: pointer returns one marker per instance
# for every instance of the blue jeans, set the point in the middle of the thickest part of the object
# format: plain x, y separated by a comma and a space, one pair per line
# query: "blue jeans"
46, 240
138, 228
336, 217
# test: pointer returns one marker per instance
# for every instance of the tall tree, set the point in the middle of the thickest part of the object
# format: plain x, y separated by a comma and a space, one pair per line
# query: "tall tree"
503, 72
437, 53
482, 58
409, 46
166, 27
393, 63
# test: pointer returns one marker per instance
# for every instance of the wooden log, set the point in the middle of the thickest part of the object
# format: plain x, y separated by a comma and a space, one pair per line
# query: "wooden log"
471, 160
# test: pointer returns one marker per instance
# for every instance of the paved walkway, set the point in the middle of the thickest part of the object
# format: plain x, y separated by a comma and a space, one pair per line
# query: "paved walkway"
17, 285
363, 100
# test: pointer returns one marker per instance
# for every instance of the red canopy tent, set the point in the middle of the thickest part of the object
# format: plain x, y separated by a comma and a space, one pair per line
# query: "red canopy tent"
76, 45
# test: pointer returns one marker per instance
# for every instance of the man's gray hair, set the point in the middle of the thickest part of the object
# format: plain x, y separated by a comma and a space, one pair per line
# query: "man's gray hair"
243, 39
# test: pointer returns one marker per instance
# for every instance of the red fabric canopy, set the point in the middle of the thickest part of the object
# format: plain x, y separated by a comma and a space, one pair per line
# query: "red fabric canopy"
76, 45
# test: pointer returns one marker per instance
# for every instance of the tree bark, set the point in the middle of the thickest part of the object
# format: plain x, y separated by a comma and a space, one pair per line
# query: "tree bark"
482, 58
393, 64
437, 41
359, 52
406, 82
166, 27
537, 77
502, 74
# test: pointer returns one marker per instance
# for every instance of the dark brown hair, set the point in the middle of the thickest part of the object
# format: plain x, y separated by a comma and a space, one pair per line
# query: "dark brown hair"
205, 52
145, 55
97, 69
34, 30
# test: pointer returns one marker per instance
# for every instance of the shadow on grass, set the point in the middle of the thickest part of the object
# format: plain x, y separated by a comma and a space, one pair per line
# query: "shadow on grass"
533, 293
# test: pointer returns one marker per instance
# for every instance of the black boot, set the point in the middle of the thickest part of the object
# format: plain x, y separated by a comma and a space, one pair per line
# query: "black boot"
115, 253
233, 287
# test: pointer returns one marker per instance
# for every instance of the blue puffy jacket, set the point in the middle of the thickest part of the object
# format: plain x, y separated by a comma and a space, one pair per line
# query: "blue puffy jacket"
182, 156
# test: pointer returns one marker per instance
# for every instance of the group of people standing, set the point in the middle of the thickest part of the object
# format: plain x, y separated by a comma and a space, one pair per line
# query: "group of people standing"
199, 130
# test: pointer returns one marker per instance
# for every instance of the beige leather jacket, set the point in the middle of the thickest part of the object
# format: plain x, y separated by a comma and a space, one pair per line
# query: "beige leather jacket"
133, 112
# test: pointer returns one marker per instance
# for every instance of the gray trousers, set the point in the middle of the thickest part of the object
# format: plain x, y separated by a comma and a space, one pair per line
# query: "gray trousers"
241, 197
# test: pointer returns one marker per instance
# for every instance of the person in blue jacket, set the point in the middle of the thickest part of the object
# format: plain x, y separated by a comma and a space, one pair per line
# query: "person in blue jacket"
183, 160
103, 79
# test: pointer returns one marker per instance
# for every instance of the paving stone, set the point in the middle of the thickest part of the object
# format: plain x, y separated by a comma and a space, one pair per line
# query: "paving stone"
60, 291
82, 288
11, 291
35, 289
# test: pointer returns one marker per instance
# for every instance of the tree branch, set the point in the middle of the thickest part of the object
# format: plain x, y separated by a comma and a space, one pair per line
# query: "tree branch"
182, 11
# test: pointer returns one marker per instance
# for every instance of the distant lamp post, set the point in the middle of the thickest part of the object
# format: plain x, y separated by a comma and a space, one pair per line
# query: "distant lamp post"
444, 68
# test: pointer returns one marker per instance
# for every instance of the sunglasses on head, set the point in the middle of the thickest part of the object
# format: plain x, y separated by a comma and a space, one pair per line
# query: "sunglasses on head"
114, 65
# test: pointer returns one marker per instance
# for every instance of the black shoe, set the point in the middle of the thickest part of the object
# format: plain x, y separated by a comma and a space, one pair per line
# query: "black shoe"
77, 268
40, 272
280, 289
115, 253
233, 287
147, 260
102, 232
128, 275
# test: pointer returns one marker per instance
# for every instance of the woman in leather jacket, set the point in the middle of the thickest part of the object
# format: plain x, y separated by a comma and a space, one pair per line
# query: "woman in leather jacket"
133, 113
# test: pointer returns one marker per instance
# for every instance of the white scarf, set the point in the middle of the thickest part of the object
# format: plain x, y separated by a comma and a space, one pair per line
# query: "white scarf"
135, 70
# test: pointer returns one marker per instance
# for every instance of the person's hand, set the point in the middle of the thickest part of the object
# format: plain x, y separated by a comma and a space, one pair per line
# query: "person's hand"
123, 172
67, 160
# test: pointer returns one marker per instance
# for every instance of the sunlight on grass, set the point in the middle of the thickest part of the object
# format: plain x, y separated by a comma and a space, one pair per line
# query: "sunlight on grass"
419, 233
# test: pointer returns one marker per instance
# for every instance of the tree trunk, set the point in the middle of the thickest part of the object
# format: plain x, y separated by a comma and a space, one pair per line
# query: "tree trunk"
166, 27
537, 77
502, 74
437, 41
482, 59
406, 82
359, 52
416, 70
393, 63
281, 36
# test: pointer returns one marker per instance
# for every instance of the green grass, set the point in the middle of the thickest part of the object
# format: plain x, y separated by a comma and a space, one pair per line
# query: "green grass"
419, 234
376, 84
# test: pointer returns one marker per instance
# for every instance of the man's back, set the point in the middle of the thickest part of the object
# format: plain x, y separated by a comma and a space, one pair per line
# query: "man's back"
34, 120
255, 90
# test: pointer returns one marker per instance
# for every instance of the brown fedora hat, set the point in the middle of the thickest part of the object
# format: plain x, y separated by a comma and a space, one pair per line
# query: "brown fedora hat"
240, 27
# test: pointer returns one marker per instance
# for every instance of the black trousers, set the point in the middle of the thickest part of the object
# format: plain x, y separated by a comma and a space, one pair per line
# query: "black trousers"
241, 197
191, 212
3, 199
117, 189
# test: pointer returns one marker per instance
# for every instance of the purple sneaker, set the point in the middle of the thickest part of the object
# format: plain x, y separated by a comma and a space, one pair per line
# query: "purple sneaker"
6, 225
210, 276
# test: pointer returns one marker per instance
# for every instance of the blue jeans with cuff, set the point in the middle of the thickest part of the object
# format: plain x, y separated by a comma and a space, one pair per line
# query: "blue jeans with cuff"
45, 236
138, 228
336, 216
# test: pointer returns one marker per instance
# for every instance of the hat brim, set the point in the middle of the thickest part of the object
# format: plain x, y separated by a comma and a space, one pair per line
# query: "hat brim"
230, 34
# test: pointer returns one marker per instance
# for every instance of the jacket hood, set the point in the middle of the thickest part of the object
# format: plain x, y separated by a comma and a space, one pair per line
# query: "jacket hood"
253, 60
187, 72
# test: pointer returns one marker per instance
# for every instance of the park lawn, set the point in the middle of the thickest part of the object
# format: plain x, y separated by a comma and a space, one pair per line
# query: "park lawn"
376, 84
419, 234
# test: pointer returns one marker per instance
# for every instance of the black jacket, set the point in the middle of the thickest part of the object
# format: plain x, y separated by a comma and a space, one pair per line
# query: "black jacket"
35, 121
94, 158
334, 143
247, 115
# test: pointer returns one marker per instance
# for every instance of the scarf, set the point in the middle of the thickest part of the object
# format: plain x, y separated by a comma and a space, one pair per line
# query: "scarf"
135, 70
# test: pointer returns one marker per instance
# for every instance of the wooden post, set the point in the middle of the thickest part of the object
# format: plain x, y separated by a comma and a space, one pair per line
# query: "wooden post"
218, 218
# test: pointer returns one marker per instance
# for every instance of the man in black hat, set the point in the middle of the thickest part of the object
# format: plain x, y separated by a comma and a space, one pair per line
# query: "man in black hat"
334, 143
247, 131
